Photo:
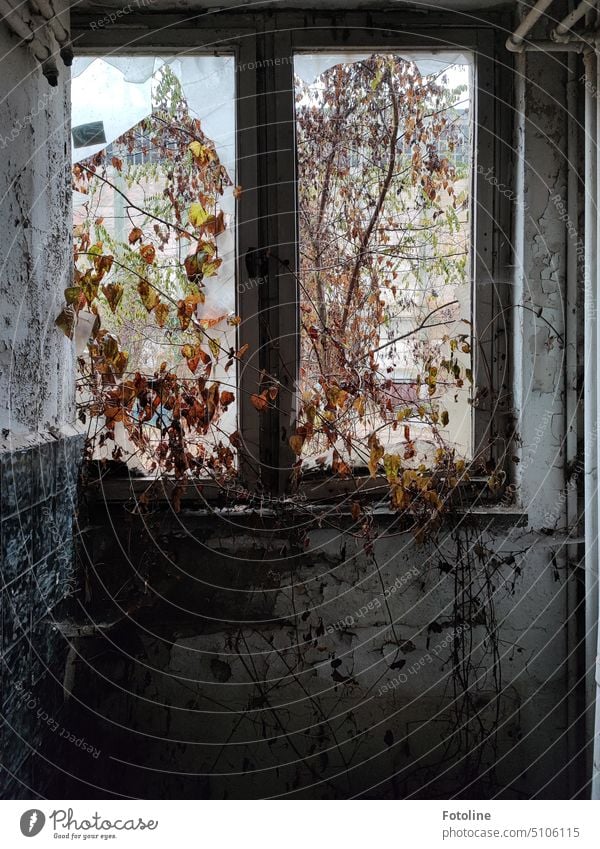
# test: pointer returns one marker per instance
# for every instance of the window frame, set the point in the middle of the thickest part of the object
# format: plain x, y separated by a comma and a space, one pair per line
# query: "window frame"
267, 238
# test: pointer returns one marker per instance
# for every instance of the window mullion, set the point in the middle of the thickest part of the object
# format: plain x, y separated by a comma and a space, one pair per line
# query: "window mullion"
248, 240
280, 301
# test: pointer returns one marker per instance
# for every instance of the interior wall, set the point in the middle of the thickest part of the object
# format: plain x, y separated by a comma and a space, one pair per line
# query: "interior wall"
40, 449
222, 658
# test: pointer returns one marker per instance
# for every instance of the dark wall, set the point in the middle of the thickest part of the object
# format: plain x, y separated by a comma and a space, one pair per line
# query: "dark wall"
39, 496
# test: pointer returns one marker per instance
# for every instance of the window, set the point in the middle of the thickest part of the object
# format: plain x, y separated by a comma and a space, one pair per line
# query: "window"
156, 194
384, 203
363, 274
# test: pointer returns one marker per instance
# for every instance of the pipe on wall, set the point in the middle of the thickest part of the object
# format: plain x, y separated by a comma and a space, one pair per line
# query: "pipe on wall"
592, 161
570, 553
568, 22
515, 41
561, 37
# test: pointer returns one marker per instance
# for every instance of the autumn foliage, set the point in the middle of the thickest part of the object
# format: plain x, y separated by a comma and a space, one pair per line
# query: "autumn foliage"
383, 220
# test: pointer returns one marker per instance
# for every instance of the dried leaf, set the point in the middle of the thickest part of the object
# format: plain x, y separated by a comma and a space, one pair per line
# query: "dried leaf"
148, 295
148, 253
215, 348
161, 313
66, 321
259, 402
72, 294
296, 443
113, 292
198, 216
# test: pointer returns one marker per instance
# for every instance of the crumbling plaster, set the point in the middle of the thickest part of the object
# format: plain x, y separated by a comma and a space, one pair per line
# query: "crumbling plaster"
36, 360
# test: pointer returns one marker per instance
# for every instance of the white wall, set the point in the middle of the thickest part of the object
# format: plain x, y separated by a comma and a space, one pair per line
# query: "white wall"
36, 360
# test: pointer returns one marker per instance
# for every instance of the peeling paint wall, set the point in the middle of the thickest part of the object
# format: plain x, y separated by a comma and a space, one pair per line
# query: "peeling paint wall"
539, 351
36, 360
40, 451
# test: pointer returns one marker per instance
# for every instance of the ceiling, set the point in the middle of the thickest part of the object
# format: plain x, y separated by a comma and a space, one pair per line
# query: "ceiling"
325, 5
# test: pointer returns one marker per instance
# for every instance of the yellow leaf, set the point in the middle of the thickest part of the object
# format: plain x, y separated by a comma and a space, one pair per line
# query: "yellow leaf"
148, 295
209, 269
375, 455
202, 152
359, 406
198, 216
214, 347
296, 443
72, 294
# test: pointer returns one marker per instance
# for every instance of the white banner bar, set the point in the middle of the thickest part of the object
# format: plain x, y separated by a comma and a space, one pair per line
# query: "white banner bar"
301, 824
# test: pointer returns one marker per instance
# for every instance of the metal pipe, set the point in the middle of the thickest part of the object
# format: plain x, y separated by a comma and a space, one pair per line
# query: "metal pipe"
590, 385
593, 505
515, 40
569, 553
562, 28
574, 44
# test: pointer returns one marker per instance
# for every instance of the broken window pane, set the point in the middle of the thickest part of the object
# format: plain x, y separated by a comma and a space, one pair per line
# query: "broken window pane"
154, 217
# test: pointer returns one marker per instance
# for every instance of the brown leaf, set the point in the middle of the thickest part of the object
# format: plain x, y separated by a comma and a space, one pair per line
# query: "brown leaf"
113, 292
193, 267
375, 455
136, 235
148, 253
215, 225
161, 312
66, 321
259, 402
186, 309
103, 264
296, 443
